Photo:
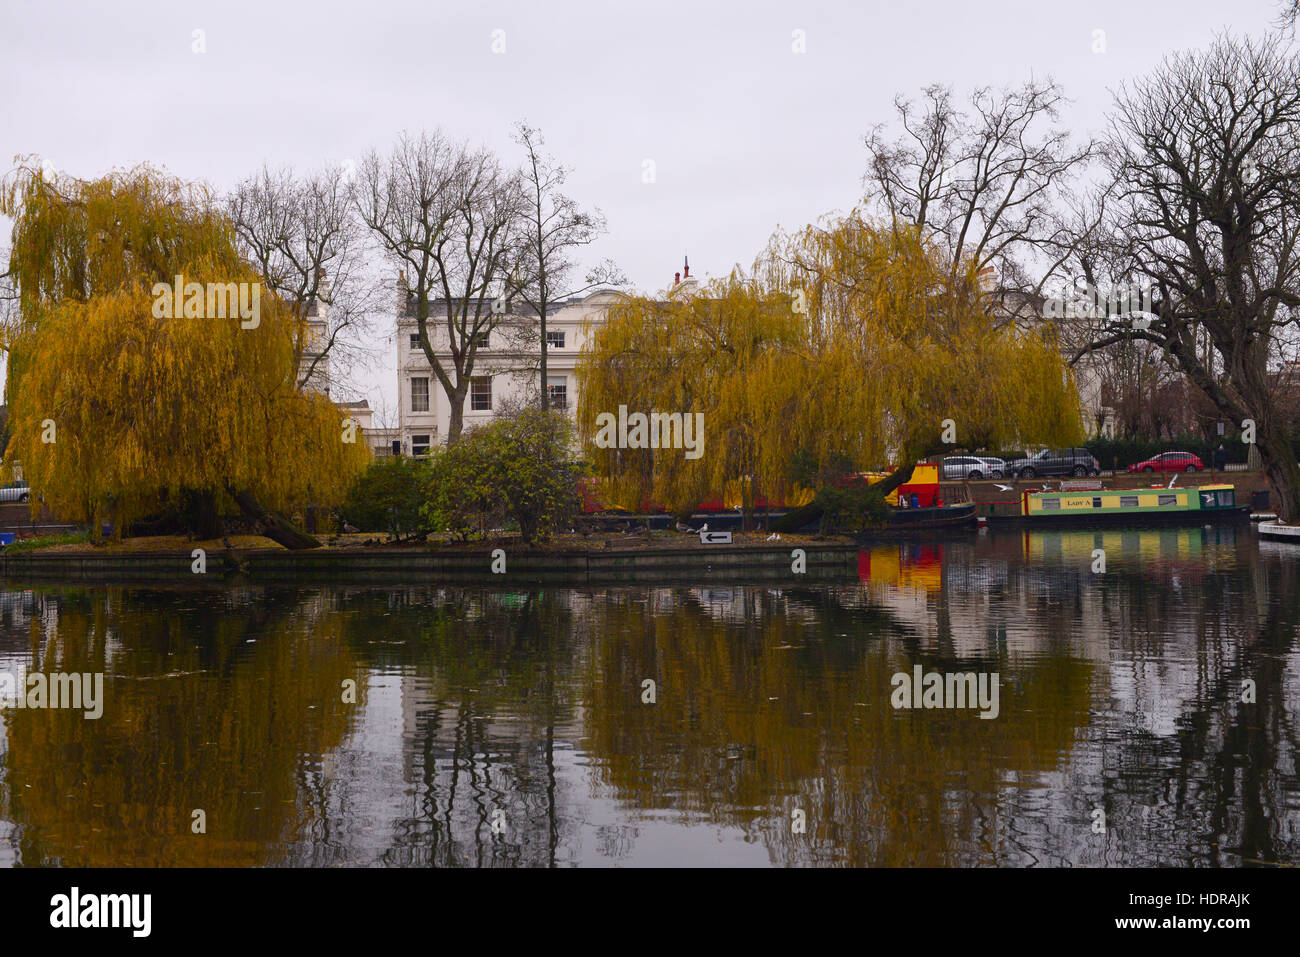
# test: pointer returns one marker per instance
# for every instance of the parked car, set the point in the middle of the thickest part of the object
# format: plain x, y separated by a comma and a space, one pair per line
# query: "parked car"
15, 492
957, 467
1074, 461
1170, 462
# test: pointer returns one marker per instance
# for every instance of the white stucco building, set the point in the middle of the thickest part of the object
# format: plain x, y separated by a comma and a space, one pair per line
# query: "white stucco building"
314, 374
504, 369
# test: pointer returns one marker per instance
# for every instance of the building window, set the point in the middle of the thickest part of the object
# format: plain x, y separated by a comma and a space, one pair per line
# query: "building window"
420, 395
415, 340
557, 389
555, 340
480, 394
419, 445
482, 340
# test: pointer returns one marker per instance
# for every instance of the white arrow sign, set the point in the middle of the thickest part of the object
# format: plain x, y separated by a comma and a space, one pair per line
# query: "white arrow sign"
715, 538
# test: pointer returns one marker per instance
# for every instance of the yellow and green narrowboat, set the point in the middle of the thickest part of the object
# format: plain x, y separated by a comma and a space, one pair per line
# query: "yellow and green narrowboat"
1195, 505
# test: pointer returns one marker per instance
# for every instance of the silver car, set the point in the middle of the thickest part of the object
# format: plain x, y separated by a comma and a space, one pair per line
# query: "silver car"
15, 492
958, 467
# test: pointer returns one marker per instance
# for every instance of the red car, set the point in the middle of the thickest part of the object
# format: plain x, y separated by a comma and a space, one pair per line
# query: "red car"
1170, 462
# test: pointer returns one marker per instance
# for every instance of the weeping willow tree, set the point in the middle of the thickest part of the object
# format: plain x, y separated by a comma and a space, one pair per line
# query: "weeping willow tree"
126, 401
848, 345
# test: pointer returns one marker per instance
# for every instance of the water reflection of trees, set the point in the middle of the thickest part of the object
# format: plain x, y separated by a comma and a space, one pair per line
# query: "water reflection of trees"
209, 700
486, 701
758, 717
1119, 690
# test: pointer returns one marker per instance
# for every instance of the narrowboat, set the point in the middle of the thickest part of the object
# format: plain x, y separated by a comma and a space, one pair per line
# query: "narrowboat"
929, 513
958, 515
1194, 505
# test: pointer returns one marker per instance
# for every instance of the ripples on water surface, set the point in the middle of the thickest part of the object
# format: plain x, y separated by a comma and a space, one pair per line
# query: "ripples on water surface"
1120, 691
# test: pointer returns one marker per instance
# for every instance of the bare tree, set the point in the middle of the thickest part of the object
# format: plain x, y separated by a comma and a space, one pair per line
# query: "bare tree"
304, 237
555, 228
450, 216
1205, 153
983, 183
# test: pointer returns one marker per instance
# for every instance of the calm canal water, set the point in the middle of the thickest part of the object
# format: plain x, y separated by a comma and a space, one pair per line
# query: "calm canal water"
510, 727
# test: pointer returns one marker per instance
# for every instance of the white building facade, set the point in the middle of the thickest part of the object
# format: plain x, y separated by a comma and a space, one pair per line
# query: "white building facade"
505, 367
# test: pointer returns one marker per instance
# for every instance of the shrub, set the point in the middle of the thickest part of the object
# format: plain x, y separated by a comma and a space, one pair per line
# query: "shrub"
388, 497
853, 506
519, 468
460, 497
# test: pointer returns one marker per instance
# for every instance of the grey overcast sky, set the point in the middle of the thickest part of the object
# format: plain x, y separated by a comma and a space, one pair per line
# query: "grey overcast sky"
745, 133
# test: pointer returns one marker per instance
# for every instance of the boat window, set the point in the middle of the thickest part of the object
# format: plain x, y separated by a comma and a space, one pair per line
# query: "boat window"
1225, 498
1167, 500
1096, 501
1051, 503
1128, 501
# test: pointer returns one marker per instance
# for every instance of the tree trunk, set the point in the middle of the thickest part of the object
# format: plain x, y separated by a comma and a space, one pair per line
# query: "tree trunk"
207, 520
1281, 470
456, 421
797, 518
273, 526
546, 404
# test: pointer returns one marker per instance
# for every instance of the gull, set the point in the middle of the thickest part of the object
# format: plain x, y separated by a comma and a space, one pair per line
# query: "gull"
1172, 481
774, 537
1002, 488
704, 527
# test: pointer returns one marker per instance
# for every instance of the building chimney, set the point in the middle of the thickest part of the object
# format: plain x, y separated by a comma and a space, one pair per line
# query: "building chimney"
403, 293
677, 277
687, 273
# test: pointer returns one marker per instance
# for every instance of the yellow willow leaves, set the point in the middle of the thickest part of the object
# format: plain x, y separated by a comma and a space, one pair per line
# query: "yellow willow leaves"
74, 239
143, 406
849, 341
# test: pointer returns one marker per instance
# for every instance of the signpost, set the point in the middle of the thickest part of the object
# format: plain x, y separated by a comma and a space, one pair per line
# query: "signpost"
715, 538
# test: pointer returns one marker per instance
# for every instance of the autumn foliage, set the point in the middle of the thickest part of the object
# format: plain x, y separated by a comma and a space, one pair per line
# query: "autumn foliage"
117, 412
849, 342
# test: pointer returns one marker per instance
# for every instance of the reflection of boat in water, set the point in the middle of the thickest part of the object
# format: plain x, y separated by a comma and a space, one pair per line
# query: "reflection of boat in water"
916, 566
1166, 546
1201, 505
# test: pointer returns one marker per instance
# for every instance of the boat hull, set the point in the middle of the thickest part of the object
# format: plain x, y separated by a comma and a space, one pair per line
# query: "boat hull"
902, 522
1143, 519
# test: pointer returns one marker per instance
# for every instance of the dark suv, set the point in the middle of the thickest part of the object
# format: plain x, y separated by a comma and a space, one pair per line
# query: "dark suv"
1055, 462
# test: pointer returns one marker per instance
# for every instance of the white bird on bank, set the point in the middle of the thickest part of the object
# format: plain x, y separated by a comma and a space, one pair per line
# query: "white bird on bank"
774, 537
704, 527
